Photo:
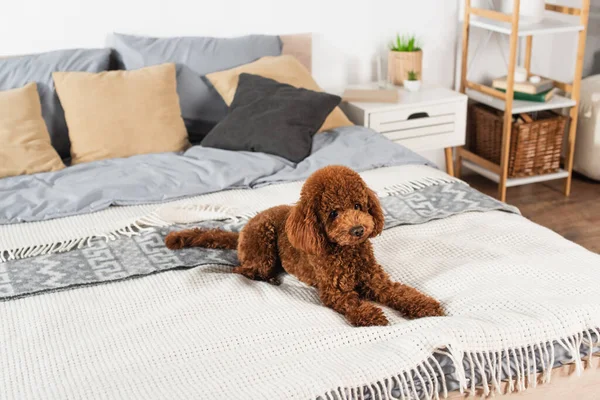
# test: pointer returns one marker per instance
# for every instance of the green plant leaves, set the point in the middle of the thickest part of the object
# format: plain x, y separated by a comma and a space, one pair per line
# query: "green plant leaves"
411, 44
405, 43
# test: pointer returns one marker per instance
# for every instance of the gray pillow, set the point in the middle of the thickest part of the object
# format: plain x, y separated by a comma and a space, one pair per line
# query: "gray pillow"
201, 105
18, 71
272, 117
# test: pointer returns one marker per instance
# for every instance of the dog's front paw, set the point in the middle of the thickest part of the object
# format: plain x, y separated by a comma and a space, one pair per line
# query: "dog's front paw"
175, 241
423, 307
274, 280
368, 315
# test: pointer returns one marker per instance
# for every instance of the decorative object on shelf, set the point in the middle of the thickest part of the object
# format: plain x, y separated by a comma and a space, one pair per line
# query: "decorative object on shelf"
405, 55
381, 81
531, 11
508, 23
536, 140
371, 95
533, 86
412, 82
520, 75
542, 97
535, 79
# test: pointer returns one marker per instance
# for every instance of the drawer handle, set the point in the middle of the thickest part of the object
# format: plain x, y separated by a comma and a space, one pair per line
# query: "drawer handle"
418, 115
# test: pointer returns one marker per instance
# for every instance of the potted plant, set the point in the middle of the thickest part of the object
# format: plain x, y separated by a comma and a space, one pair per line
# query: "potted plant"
412, 82
405, 55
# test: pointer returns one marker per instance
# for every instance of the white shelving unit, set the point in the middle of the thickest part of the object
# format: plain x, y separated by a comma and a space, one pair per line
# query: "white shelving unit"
520, 106
508, 24
544, 27
510, 182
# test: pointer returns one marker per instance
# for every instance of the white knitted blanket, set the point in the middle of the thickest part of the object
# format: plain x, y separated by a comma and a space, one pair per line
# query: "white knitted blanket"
509, 287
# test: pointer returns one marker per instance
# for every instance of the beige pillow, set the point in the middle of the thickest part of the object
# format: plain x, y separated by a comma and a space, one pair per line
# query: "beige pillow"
283, 69
121, 113
24, 139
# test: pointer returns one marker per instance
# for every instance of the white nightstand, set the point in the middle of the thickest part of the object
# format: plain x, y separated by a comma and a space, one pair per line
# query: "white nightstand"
432, 118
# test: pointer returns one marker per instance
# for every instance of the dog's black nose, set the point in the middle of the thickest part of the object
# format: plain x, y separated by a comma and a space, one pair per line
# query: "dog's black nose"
357, 231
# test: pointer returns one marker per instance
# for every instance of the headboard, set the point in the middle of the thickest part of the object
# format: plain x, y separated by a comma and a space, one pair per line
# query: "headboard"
299, 46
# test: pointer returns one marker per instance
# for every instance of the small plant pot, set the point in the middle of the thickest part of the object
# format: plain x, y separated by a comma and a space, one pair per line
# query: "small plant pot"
401, 62
412, 86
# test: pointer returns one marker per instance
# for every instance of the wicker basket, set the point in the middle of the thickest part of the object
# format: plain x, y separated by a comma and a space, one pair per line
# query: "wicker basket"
535, 146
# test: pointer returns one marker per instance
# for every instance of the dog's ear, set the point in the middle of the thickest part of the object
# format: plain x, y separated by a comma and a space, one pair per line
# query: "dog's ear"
302, 227
376, 212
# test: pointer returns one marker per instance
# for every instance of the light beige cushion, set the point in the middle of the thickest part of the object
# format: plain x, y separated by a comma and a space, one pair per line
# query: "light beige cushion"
283, 69
121, 113
24, 139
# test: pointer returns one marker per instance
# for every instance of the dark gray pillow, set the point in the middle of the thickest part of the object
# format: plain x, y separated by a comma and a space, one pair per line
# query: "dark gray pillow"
201, 105
18, 71
272, 117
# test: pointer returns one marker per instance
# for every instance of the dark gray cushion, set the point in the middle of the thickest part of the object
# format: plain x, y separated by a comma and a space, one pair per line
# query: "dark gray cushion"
18, 71
201, 105
272, 117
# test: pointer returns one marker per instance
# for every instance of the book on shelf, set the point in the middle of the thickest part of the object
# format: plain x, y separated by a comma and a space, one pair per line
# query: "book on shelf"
525, 87
540, 97
371, 95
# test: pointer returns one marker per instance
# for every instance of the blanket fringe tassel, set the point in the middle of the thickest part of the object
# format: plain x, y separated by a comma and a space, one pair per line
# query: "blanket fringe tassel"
479, 374
164, 216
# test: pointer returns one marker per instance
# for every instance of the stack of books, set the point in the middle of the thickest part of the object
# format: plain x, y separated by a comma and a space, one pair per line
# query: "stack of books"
540, 92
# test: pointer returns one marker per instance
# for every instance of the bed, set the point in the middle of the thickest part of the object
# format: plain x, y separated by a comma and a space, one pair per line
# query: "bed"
93, 305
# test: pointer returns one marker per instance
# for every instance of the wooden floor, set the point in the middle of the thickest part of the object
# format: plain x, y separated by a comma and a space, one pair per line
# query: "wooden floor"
576, 217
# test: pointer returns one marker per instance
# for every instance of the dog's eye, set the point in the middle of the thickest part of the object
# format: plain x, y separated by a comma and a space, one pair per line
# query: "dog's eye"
357, 206
333, 214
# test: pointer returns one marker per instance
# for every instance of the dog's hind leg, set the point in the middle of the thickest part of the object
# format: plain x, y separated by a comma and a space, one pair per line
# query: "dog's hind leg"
257, 250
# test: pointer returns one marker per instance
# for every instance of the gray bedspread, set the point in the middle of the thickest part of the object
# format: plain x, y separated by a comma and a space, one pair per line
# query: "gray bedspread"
153, 178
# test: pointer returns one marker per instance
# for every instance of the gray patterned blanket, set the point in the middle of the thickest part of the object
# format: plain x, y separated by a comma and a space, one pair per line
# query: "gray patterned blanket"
135, 256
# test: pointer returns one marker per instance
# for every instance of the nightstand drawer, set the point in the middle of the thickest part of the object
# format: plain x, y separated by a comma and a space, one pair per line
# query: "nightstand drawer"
420, 132
412, 118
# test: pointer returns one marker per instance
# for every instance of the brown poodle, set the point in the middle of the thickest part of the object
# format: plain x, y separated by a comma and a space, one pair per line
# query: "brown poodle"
324, 241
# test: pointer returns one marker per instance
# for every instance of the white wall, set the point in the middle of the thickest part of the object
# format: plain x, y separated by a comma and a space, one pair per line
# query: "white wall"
347, 34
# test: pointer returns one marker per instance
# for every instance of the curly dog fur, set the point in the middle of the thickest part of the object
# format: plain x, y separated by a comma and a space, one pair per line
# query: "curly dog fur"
324, 241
